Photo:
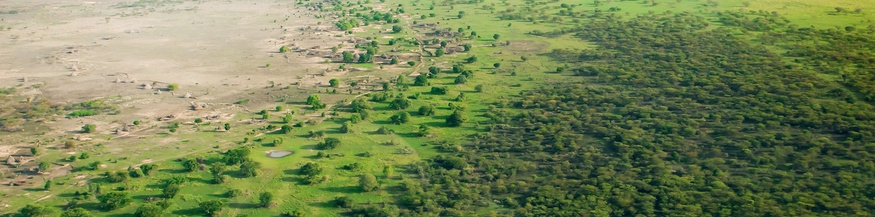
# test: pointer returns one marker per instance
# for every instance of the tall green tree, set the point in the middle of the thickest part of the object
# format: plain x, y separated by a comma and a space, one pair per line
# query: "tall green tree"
170, 191
33, 210
113, 200
76, 212
314, 101
250, 168
348, 57
456, 119
368, 182
266, 199
212, 207
149, 210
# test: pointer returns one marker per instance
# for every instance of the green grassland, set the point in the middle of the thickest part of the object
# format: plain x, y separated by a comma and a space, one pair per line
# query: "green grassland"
524, 66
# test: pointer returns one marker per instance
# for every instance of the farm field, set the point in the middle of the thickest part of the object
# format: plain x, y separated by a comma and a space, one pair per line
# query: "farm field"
437, 108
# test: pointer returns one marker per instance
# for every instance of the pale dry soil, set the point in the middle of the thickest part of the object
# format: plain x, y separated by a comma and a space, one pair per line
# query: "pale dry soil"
217, 51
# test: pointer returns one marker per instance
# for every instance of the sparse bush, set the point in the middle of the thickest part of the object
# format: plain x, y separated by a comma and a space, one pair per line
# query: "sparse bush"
89, 128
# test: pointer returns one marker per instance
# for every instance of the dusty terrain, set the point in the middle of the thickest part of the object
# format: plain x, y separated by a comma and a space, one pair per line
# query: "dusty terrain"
126, 53
72, 51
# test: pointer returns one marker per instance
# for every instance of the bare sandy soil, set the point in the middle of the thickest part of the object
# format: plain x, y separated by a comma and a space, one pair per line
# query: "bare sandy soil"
73, 51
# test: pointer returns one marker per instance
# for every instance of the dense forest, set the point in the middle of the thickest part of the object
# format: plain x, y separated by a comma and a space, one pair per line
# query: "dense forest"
671, 116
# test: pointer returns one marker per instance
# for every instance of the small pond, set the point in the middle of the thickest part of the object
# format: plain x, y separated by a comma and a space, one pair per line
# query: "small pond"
279, 154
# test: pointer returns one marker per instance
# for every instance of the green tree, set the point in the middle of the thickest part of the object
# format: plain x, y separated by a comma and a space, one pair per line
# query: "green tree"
217, 169
89, 128
456, 119
286, 129
227, 126
117, 176
170, 191
34, 151
461, 97
426, 110
311, 169
496, 65
348, 57
284, 49
295, 213
366, 58
383, 130
334, 82
471, 59
265, 199
328, 144
399, 103
34, 210
147, 169
433, 71
314, 101
346, 127
250, 168
368, 182
360, 104
113, 200
397, 29
354, 118
236, 156
164, 204
421, 80
344, 202
400, 118
48, 185
424, 130
287, 119
496, 36
44, 166
190, 165
466, 47
76, 212
212, 207
458, 68
439, 52
149, 210
461, 79
439, 90
393, 61
400, 80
